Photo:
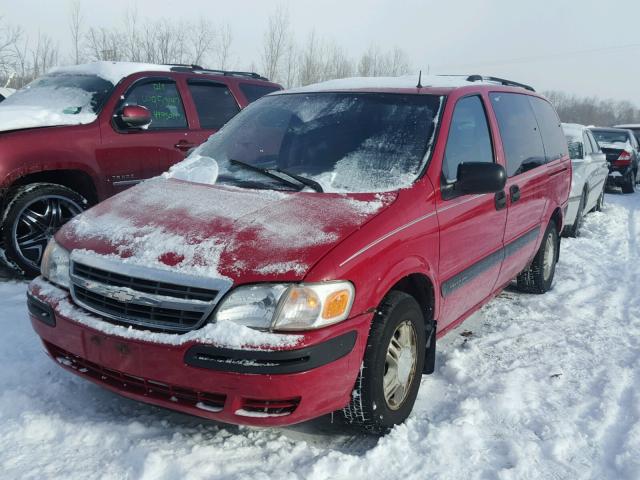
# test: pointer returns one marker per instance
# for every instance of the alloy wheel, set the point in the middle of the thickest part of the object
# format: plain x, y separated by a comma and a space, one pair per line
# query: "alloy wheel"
400, 364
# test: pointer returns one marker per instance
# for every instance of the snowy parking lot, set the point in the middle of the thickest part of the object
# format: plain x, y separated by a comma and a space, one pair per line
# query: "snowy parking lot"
531, 387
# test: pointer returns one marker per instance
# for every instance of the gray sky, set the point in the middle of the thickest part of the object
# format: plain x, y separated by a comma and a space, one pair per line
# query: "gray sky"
561, 44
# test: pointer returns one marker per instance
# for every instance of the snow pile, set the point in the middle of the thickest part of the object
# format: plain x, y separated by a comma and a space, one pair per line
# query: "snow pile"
54, 111
195, 169
224, 334
542, 387
406, 81
111, 71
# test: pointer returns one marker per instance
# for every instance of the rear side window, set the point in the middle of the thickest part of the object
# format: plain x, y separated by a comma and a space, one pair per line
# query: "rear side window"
162, 99
521, 139
587, 145
253, 92
469, 138
553, 139
215, 104
594, 145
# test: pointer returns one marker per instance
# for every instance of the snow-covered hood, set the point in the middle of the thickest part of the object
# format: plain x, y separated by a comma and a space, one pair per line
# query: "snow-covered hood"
23, 117
217, 231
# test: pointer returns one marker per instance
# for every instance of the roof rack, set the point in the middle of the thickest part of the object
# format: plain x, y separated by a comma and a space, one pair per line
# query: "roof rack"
501, 81
228, 73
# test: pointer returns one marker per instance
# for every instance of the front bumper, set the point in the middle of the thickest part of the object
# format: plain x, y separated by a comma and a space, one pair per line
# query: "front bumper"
246, 387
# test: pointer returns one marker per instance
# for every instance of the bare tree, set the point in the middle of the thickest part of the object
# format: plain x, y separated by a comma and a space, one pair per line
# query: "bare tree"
223, 47
275, 43
75, 26
202, 41
10, 37
311, 66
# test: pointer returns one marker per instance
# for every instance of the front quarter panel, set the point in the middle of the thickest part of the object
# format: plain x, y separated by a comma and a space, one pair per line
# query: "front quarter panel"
401, 240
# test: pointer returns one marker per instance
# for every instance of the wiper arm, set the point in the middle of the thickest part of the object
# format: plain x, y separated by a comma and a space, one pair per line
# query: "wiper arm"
265, 172
269, 173
304, 180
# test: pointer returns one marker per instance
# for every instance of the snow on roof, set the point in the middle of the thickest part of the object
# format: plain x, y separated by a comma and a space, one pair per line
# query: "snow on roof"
628, 125
573, 128
406, 81
112, 71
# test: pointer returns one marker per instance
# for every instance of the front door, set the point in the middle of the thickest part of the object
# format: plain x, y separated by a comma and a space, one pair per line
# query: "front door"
471, 226
130, 155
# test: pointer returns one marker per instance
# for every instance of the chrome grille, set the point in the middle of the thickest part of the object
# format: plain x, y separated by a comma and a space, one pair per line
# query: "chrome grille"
141, 296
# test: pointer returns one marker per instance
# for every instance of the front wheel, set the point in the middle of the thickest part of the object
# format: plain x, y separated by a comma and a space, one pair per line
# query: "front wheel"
390, 374
538, 277
34, 214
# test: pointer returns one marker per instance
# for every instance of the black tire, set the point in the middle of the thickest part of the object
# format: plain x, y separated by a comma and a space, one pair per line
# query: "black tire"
600, 203
574, 230
536, 278
34, 213
629, 186
369, 408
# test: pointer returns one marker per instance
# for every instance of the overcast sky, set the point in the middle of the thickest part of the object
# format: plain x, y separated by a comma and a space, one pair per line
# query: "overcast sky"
578, 46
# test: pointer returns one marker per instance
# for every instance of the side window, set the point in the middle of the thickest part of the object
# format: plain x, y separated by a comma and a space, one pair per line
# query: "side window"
594, 145
162, 99
469, 138
588, 150
215, 104
521, 139
554, 141
253, 92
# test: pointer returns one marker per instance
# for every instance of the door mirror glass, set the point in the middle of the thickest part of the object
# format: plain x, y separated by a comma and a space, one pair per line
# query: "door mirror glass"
135, 116
477, 178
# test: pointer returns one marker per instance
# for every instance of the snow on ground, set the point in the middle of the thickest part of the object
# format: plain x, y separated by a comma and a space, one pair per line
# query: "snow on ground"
538, 387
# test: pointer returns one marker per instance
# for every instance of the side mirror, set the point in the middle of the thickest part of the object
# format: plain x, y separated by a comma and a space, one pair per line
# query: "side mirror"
135, 116
480, 177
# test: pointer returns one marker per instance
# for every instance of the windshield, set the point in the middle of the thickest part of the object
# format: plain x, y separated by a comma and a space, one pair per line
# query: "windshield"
346, 142
63, 94
609, 136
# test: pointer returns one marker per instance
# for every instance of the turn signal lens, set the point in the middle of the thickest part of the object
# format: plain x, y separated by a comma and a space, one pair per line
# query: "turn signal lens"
336, 304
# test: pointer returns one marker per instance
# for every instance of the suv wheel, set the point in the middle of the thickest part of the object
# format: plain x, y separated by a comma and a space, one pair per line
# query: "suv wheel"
32, 217
629, 185
390, 374
539, 276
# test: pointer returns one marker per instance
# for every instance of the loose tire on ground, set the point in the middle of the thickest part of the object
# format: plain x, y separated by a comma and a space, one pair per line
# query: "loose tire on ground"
538, 277
370, 409
32, 216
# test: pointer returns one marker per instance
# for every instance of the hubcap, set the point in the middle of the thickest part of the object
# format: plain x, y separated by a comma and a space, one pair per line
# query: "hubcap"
37, 223
400, 365
549, 256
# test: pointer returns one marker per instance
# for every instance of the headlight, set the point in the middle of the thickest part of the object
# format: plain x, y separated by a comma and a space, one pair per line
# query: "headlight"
288, 307
55, 264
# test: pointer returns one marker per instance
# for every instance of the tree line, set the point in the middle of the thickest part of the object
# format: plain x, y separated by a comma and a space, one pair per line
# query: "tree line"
593, 110
282, 58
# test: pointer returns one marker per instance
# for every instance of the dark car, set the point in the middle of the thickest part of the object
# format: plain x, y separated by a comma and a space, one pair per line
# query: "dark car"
621, 148
80, 134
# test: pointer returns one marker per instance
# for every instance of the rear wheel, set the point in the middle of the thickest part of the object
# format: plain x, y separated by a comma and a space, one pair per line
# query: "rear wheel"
390, 374
629, 186
539, 276
600, 203
574, 230
32, 217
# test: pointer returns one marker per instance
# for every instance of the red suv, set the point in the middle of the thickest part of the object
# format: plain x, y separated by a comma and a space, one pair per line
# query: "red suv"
306, 257
109, 125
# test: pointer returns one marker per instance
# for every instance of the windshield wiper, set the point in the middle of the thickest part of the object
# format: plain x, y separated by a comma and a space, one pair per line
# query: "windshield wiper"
265, 172
269, 172
304, 180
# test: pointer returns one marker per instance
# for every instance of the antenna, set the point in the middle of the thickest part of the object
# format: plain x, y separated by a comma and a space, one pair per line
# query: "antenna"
419, 80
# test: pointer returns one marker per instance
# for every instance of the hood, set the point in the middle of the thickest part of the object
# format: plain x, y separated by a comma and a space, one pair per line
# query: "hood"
219, 231
23, 117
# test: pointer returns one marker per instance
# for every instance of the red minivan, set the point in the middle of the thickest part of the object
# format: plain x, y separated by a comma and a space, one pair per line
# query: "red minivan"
305, 259
80, 134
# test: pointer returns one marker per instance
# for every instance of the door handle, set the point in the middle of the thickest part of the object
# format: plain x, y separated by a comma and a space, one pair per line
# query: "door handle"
500, 199
185, 146
514, 192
